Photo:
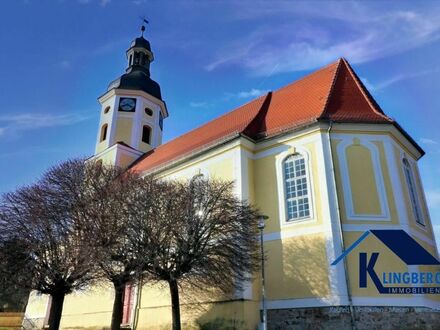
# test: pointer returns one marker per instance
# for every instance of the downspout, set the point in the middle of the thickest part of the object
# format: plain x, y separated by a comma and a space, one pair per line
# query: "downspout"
338, 210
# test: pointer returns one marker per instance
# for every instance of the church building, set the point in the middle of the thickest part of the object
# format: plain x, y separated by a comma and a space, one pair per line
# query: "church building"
321, 159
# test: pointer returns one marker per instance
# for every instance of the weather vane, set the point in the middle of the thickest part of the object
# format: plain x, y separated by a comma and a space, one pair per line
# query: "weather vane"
144, 21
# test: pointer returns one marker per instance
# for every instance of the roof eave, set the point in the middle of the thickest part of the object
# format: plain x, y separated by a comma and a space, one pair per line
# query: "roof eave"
185, 157
410, 139
393, 123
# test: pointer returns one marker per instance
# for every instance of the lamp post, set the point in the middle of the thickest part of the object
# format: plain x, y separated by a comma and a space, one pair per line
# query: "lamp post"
261, 226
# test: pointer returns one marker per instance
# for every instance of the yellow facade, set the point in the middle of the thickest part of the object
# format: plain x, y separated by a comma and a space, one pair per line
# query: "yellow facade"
370, 192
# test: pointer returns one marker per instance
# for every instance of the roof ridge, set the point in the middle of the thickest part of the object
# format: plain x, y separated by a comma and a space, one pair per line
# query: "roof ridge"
369, 98
330, 91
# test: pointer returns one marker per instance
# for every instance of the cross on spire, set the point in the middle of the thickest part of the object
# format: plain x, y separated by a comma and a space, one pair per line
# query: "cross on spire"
144, 21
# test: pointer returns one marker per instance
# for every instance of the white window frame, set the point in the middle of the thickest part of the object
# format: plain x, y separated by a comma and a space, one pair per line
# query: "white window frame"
282, 194
412, 192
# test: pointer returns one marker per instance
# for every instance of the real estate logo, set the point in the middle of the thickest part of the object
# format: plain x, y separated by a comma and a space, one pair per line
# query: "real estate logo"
410, 252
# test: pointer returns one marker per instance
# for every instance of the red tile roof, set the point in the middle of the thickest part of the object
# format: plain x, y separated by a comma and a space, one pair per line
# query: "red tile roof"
331, 93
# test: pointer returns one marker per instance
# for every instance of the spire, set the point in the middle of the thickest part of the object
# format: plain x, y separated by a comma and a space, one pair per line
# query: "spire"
137, 76
143, 26
139, 55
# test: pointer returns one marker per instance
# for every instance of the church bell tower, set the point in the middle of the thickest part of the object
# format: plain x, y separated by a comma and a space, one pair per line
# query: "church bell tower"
132, 110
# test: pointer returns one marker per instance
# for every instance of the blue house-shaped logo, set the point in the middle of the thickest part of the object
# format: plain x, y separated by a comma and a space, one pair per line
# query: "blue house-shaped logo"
409, 251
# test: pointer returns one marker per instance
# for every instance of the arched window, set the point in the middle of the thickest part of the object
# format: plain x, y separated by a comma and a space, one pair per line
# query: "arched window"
107, 109
103, 132
412, 191
146, 134
198, 189
297, 188
148, 111
161, 121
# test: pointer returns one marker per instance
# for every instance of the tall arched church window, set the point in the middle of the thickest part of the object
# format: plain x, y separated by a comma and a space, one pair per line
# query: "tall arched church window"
161, 121
103, 132
297, 188
412, 192
197, 191
146, 134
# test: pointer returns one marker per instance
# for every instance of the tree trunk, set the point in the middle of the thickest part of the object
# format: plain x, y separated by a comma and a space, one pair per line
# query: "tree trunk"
175, 305
118, 306
56, 309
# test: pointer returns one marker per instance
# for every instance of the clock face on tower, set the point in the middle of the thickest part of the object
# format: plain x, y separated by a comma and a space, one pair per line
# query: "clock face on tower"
127, 104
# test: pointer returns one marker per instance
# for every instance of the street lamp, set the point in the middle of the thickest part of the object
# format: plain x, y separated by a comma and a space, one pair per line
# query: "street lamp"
261, 225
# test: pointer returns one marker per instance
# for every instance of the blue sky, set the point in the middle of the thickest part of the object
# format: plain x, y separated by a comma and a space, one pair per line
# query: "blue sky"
58, 56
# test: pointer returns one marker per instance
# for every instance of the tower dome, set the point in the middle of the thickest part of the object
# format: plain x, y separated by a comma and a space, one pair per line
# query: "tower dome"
137, 76
137, 80
141, 42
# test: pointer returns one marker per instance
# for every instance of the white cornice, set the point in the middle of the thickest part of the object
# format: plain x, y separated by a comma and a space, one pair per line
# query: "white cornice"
129, 92
272, 141
121, 147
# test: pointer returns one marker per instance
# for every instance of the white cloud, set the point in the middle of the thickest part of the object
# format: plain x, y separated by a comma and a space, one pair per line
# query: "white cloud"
384, 83
31, 121
252, 93
395, 79
433, 198
428, 141
102, 3
368, 84
294, 45
198, 104
241, 95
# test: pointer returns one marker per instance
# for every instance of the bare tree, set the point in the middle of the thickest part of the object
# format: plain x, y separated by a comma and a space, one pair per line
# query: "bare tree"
112, 195
46, 219
197, 233
13, 297
84, 222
